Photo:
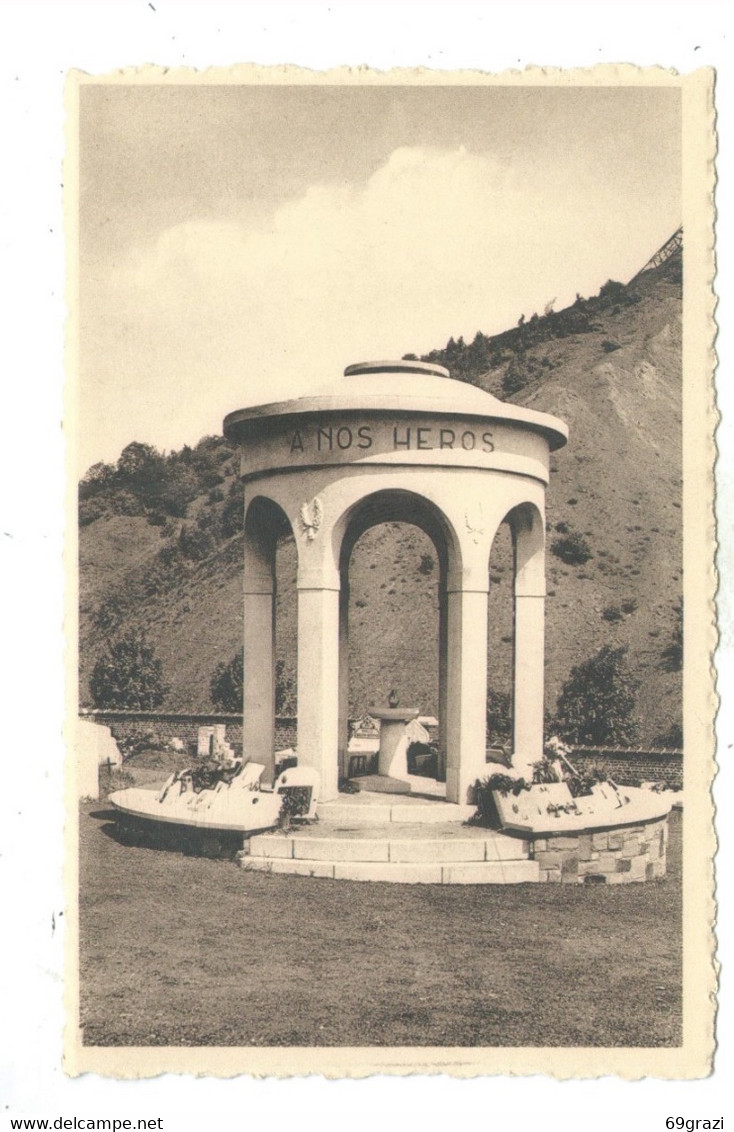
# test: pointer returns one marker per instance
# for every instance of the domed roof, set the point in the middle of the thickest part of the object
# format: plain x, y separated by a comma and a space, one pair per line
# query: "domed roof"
399, 387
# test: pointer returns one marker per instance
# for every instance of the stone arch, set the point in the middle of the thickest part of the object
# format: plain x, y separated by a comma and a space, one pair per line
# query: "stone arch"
265, 524
398, 505
527, 524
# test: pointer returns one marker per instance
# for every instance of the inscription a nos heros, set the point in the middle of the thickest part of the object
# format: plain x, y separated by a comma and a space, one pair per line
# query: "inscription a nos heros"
340, 438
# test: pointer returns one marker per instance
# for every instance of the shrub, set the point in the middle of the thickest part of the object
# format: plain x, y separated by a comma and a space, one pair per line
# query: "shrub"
672, 738
673, 653
128, 675
233, 512
609, 347
612, 613
110, 612
499, 714
612, 290
426, 564
195, 542
573, 549
225, 687
286, 701
597, 701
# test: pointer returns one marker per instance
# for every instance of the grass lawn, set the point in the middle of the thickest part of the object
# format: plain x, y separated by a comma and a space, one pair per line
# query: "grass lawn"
184, 951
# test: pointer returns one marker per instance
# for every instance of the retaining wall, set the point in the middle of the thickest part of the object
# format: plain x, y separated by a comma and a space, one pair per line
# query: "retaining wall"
623, 855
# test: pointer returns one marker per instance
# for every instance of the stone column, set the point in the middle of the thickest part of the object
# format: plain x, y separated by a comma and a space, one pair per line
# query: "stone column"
466, 701
443, 646
529, 681
318, 680
344, 677
258, 724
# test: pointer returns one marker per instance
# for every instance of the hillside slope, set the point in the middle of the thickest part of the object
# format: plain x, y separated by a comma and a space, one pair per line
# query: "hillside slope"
609, 366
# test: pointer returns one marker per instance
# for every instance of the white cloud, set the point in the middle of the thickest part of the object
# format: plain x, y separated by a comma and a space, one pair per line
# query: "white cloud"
214, 315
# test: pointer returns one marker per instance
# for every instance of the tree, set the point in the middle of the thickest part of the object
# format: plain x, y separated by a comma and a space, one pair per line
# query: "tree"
226, 684
226, 687
597, 701
499, 714
128, 675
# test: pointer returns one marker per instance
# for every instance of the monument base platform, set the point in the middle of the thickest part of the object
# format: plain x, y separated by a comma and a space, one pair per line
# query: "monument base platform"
425, 840
417, 840
380, 784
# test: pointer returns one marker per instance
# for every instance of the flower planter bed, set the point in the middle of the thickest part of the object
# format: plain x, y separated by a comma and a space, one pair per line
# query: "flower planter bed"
611, 836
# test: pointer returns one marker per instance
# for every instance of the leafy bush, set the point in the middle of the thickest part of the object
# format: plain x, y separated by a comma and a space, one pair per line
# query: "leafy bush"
672, 738
612, 613
612, 290
609, 347
499, 714
128, 675
597, 701
233, 512
226, 684
673, 653
195, 542
573, 549
286, 700
486, 809
226, 687
110, 612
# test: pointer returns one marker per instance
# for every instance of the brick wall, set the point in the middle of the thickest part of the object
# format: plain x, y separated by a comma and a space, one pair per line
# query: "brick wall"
166, 726
631, 767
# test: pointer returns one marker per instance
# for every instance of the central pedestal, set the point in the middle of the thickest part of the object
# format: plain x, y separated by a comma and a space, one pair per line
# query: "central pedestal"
392, 757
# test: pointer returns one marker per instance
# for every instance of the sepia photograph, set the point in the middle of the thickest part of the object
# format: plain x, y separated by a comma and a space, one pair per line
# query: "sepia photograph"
392, 572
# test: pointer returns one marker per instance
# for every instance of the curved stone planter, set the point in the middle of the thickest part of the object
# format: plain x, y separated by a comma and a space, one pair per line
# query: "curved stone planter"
617, 855
615, 835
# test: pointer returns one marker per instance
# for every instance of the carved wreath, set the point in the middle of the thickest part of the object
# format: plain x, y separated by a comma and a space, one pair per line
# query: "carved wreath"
311, 515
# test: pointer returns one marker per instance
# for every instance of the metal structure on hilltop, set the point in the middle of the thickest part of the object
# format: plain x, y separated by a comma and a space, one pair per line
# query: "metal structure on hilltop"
669, 248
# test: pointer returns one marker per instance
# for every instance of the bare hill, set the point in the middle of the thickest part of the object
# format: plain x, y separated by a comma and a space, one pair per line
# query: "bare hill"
610, 366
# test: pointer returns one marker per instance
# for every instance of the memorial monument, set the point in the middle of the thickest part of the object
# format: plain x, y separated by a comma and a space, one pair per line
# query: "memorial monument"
393, 441
401, 441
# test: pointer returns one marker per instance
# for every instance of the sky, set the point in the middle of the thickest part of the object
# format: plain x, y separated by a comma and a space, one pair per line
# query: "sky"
242, 243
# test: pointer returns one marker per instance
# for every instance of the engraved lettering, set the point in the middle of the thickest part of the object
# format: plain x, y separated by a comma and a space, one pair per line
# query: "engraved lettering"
467, 441
397, 443
447, 437
487, 444
296, 442
365, 437
344, 437
422, 441
326, 433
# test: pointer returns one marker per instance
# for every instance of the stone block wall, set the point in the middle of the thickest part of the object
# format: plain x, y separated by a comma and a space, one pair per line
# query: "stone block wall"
621, 855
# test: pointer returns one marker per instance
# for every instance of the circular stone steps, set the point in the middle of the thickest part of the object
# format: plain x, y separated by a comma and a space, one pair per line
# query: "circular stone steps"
358, 809
405, 853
